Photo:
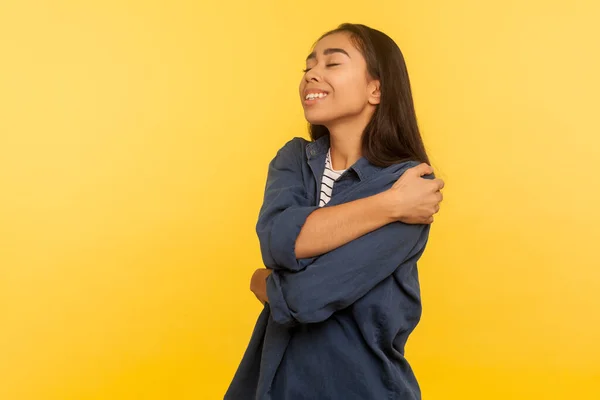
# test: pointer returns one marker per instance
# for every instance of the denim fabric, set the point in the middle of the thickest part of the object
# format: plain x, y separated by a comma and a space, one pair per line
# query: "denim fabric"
336, 325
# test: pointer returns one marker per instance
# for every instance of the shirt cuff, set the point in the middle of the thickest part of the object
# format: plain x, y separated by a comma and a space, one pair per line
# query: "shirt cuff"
279, 309
284, 233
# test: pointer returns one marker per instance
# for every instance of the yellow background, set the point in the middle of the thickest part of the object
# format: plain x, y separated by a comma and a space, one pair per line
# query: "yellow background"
134, 141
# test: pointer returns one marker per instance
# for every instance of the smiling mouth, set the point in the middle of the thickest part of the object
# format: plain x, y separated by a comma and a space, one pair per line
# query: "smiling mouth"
315, 96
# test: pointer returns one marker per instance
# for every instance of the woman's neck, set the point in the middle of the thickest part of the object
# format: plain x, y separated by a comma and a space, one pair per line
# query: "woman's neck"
345, 151
346, 143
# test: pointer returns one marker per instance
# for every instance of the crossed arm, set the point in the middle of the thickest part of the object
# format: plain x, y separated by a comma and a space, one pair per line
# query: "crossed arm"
311, 272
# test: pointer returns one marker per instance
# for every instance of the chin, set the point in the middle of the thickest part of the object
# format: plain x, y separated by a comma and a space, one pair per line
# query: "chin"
316, 119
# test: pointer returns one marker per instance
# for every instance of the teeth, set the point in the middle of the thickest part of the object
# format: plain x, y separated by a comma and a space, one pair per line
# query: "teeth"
312, 96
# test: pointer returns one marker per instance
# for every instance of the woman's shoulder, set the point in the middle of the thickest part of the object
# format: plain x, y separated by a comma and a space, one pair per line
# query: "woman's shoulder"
292, 152
400, 167
296, 148
294, 145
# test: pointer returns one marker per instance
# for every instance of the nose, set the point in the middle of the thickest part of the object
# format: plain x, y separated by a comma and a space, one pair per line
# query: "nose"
312, 76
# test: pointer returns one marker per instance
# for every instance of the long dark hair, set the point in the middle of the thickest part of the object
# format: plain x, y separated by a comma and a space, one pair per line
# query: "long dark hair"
392, 136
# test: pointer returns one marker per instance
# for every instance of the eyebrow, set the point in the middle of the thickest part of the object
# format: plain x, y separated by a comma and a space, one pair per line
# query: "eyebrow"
327, 52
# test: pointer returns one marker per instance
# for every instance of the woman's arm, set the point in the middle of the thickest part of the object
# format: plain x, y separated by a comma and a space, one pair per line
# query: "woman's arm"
331, 227
292, 231
411, 200
339, 278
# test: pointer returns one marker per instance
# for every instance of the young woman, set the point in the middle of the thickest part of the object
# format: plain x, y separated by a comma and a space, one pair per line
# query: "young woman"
344, 220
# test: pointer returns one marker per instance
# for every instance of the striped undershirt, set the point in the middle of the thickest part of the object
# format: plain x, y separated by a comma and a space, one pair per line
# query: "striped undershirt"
329, 177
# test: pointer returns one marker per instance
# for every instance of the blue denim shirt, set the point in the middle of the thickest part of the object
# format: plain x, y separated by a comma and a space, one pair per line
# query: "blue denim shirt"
336, 325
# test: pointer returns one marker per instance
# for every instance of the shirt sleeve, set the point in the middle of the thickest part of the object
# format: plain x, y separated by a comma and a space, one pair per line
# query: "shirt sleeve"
337, 279
285, 209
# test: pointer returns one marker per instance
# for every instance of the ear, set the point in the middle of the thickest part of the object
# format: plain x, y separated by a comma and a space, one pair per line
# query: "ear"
374, 92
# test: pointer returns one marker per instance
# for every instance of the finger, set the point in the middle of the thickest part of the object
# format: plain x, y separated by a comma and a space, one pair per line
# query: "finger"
430, 220
440, 196
436, 209
439, 183
422, 169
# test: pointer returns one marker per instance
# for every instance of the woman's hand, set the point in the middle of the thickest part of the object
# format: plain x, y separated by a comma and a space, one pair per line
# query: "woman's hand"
414, 199
258, 284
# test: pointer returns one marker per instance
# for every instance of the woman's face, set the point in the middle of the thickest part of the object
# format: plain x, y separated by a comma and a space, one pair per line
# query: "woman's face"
336, 86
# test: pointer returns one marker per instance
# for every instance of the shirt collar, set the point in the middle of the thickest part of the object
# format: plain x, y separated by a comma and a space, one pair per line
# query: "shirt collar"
363, 168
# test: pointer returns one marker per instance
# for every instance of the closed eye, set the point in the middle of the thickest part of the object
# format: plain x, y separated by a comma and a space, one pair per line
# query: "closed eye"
328, 65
